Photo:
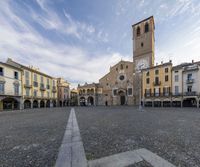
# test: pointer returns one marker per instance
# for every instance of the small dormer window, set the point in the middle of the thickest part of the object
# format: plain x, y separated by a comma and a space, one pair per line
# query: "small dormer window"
122, 67
138, 31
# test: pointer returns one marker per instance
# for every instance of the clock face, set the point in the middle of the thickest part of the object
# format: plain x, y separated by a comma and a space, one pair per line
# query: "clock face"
142, 64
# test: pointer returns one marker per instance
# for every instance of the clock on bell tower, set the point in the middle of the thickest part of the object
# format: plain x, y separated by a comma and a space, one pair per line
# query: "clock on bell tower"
143, 43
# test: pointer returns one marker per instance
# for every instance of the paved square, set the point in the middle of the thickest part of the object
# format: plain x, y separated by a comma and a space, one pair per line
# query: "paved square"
171, 133
31, 137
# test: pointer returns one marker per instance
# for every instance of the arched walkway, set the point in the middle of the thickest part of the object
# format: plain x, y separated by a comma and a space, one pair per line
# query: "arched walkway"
35, 104
42, 104
148, 104
82, 101
157, 103
90, 101
190, 102
27, 104
176, 103
10, 104
48, 103
166, 104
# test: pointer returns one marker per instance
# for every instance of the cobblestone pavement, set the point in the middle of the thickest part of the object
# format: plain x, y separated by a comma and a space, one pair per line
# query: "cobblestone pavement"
172, 133
31, 137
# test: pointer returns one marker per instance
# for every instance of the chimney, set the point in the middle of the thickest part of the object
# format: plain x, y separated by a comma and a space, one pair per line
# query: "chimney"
170, 61
161, 62
192, 61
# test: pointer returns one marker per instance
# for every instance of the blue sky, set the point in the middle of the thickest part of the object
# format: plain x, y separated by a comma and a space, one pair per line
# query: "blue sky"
80, 39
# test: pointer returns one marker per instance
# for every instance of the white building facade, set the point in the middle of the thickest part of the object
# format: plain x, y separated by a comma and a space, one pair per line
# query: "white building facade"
10, 87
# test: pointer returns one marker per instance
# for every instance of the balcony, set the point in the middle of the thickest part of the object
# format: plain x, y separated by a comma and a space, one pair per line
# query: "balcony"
190, 81
54, 89
48, 86
190, 93
42, 88
157, 83
177, 94
26, 85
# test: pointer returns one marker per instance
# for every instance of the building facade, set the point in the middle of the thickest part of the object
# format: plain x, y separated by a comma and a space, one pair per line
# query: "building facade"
186, 81
117, 85
89, 94
38, 89
157, 85
73, 97
63, 92
10, 87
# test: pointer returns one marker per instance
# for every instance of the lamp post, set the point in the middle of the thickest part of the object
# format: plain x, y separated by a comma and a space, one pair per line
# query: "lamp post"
139, 87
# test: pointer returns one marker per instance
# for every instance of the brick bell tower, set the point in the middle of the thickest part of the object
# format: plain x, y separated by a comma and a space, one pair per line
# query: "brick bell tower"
143, 53
143, 43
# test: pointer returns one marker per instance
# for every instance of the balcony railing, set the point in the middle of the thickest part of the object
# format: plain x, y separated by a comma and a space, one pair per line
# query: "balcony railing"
177, 94
190, 93
26, 85
166, 94
157, 83
190, 81
42, 87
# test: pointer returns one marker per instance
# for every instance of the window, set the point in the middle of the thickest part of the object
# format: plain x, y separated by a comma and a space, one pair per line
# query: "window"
156, 80
130, 91
138, 31
114, 92
176, 78
42, 94
166, 70
146, 27
176, 90
166, 91
48, 94
1, 88
35, 77
116, 69
156, 91
189, 88
42, 79
121, 77
166, 78
127, 67
16, 89
147, 80
142, 44
27, 75
15, 74
121, 67
147, 74
176, 71
54, 82
189, 76
35, 93
147, 92
1, 71
157, 72
27, 92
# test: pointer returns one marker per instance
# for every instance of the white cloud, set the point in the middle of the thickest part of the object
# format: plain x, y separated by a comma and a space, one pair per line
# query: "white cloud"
61, 60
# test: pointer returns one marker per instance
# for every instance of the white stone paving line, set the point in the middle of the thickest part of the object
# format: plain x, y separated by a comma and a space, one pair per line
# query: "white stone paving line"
71, 152
130, 158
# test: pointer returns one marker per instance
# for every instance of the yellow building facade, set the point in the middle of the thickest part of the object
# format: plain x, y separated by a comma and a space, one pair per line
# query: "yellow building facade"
38, 89
157, 85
